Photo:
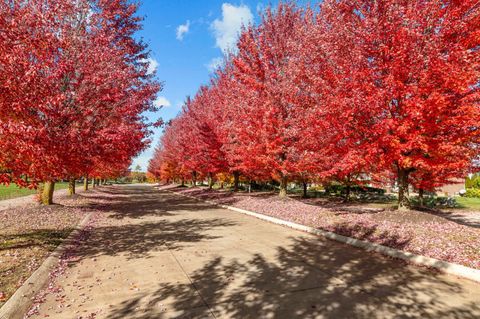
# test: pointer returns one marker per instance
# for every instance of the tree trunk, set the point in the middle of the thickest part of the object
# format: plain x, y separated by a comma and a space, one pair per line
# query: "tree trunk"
93, 183
47, 193
420, 197
305, 195
347, 192
403, 200
210, 180
183, 182
71, 186
194, 178
236, 180
85, 183
283, 187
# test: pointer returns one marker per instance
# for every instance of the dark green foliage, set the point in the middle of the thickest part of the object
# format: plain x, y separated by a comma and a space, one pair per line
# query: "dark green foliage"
341, 189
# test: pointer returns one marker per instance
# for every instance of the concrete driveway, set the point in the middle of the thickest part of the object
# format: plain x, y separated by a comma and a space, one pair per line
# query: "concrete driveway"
159, 255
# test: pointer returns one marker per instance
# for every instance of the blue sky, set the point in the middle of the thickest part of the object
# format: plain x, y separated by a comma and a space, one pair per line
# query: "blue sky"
186, 39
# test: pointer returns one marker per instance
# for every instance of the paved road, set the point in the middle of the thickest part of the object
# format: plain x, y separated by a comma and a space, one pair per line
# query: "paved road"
159, 255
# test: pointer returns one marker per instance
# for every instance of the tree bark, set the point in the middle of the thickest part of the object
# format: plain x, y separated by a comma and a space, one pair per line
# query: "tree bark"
85, 183
283, 187
194, 178
183, 182
305, 195
236, 180
403, 200
210, 180
420, 197
348, 189
47, 193
71, 186
93, 183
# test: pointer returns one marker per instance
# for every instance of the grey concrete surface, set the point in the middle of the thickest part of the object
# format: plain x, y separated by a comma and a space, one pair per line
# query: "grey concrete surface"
160, 255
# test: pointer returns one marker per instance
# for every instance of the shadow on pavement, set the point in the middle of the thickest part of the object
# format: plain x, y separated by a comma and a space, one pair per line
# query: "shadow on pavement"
308, 279
140, 202
139, 240
148, 233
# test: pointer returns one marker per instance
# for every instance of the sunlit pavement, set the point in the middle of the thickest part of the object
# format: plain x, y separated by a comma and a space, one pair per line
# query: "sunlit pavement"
160, 255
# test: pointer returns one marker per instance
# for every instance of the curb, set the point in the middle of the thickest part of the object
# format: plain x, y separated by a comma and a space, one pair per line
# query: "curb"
20, 302
443, 266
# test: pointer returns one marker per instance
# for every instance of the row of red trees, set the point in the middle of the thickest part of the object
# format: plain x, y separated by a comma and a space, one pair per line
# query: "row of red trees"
355, 91
73, 86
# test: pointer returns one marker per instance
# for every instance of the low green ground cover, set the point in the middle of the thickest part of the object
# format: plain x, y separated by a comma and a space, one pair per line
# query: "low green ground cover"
13, 191
468, 203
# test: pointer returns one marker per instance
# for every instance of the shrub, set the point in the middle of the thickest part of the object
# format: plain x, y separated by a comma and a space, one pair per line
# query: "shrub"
316, 188
341, 189
473, 182
473, 192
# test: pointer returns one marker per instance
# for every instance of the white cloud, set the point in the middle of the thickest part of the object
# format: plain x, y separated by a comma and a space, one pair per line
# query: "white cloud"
214, 64
226, 30
162, 101
152, 65
182, 30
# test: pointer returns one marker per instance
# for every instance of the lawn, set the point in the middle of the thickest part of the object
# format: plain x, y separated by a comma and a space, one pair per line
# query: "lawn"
468, 203
13, 191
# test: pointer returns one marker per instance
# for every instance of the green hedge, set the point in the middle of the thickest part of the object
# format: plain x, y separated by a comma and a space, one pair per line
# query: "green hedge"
341, 189
473, 192
473, 182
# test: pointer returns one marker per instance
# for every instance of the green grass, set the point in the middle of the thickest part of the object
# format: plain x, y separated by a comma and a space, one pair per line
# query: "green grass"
468, 203
13, 191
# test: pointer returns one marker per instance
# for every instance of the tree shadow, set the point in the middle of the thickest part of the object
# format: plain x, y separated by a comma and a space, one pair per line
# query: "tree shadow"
456, 217
140, 240
372, 233
140, 202
310, 278
50, 238
340, 206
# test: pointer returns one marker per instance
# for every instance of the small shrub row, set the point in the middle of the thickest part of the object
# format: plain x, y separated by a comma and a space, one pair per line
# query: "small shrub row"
473, 192
341, 189
473, 182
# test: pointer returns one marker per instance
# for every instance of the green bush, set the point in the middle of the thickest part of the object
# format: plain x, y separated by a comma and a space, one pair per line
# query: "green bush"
316, 188
473, 182
341, 189
473, 192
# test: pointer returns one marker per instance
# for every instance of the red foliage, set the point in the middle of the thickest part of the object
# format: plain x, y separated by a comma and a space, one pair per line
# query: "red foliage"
73, 87
353, 92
